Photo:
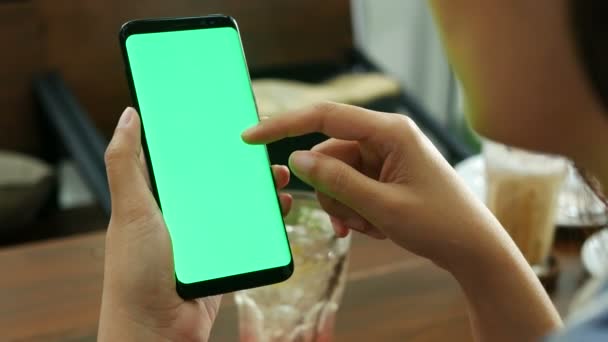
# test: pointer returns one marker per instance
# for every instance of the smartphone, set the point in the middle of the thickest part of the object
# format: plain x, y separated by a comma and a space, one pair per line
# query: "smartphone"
190, 83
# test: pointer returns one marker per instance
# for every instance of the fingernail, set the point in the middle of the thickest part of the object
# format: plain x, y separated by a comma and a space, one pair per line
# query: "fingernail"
301, 161
249, 131
355, 224
126, 117
338, 225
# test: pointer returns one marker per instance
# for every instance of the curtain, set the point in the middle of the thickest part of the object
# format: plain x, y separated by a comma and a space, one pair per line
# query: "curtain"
400, 36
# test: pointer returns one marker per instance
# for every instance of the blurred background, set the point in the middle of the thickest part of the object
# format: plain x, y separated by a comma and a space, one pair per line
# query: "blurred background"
62, 88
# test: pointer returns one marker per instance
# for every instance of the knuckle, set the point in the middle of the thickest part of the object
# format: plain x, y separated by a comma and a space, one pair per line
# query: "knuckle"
133, 211
323, 111
114, 154
326, 106
403, 122
323, 145
337, 179
317, 148
404, 126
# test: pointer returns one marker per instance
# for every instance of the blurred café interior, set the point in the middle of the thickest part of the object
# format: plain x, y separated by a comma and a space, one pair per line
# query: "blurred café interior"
63, 88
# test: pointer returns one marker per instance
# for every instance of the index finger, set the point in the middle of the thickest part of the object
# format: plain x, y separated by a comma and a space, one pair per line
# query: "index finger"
336, 120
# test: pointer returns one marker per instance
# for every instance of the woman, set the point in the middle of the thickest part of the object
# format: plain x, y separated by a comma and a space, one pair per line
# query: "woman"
520, 68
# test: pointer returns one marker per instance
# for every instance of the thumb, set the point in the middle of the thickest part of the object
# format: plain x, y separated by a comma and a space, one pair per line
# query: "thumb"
340, 181
126, 179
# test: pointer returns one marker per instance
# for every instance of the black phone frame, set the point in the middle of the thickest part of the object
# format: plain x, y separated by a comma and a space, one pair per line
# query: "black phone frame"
219, 285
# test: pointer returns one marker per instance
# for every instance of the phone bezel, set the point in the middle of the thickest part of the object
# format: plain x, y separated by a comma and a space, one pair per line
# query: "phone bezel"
219, 285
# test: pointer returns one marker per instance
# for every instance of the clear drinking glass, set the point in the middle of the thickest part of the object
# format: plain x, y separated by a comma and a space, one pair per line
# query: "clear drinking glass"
523, 189
303, 308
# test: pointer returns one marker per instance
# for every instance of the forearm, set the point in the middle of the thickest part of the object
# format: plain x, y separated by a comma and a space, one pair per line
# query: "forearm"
505, 299
121, 320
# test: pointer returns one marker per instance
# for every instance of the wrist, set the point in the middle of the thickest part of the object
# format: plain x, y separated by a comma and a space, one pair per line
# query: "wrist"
116, 327
504, 296
490, 252
117, 323
120, 321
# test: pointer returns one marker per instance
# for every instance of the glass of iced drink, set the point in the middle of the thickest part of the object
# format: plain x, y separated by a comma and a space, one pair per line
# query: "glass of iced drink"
303, 308
522, 191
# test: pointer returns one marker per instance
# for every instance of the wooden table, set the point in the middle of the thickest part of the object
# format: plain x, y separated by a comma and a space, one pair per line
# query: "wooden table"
51, 291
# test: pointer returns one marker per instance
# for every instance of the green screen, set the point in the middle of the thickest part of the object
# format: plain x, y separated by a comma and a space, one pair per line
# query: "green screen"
216, 192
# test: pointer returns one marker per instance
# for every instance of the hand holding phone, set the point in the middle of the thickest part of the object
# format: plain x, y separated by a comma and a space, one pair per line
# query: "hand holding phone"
139, 297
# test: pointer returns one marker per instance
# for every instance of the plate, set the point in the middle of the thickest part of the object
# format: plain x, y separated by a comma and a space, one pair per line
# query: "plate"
595, 254
577, 205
